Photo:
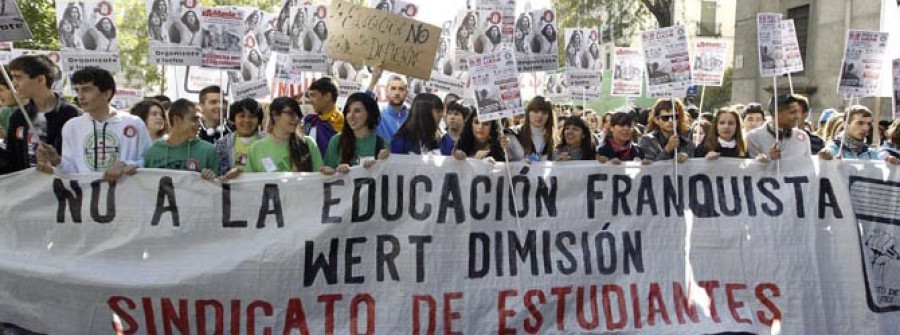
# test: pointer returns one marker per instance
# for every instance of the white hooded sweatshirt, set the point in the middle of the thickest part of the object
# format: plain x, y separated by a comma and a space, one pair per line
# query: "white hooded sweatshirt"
93, 146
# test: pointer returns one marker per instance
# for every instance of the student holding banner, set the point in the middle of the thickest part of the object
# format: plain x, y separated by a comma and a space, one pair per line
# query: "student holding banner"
791, 141
455, 119
667, 130
420, 134
576, 143
618, 145
183, 150
359, 142
538, 137
33, 77
479, 140
234, 149
102, 139
726, 139
284, 150
851, 143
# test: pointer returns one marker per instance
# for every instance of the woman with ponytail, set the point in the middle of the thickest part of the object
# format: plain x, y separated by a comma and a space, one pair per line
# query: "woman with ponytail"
284, 150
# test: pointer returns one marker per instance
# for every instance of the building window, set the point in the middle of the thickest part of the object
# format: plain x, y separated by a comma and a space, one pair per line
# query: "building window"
708, 25
800, 15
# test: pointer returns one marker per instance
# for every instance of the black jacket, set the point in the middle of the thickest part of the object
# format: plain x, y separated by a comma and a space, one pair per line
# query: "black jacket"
17, 136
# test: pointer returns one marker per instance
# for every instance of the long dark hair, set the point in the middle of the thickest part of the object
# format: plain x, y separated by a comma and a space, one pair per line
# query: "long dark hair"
142, 110
301, 158
420, 127
467, 140
587, 145
347, 143
539, 103
109, 34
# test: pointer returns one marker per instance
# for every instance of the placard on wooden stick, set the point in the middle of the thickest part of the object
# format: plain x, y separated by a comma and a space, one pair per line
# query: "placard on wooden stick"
363, 35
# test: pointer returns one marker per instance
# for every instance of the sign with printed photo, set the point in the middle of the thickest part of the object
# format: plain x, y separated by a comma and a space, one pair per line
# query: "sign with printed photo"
770, 42
222, 42
628, 72
175, 31
863, 58
667, 60
583, 64
495, 84
398, 7
709, 62
309, 38
537, 50
88, 35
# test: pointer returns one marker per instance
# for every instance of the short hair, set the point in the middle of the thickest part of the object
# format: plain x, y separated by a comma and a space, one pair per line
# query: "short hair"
621, 119
397, 78
463, 109
783, 101
35, 65
753, 108
181, 108
803, 101
3, 82
161, 98
451, 97
857, 110
248, 105
325, 85
209, 89
96, 76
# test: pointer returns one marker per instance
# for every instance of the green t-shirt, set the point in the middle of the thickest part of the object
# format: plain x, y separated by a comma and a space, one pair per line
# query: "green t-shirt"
266, 155
5, 113
192, 155
242, 150
365, 147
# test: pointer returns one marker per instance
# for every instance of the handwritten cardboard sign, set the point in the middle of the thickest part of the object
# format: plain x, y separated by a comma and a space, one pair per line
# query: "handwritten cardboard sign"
363, 35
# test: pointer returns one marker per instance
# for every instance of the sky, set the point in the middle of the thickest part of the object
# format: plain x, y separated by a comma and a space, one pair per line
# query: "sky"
437, 11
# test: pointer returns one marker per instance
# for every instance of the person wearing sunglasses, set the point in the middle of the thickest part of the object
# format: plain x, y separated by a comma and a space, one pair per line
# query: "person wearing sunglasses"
780, 136
667, 131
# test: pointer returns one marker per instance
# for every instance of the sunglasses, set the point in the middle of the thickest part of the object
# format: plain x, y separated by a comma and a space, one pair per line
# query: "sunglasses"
665, 118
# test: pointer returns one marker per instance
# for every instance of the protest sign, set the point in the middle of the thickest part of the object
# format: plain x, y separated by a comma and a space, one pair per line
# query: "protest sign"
583, 64
584, 94
465, 24
12, 24
628, 74
539, 48
175, 32
255, 89
187, 81
126, 97
309, 42
279, 36
668, 61
495, 83
770, 42
87, 35
793, 59
398, 7
556, 87
413, 245
709, 62
507, 9
367, 36
251, 80
446, 74
347, 76
863, 58
896, 77
222, 42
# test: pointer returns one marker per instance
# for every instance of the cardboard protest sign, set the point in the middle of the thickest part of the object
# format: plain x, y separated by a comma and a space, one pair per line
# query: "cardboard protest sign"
668, 61
87, 35
495, 83
12, 24
863, 58
175, 32
222, 42
537, 41
708, 67
363, 35
628, 73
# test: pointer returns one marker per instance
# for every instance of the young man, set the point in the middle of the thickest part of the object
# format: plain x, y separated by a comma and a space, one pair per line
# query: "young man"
33, 76
212, 105
327, 120
7, 106
183, 150
754, 116
851, 143
792, 142
455, 117
101, 140
233, 149
816, 143
394, 115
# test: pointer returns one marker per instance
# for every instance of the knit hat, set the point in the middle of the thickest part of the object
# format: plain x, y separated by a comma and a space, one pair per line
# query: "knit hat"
826, 114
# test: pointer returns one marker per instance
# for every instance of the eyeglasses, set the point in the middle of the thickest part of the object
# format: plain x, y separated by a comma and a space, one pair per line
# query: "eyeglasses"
665, 118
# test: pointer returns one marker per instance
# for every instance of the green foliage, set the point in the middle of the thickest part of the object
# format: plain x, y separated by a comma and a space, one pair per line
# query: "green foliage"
617, 19
717, 97
41, 19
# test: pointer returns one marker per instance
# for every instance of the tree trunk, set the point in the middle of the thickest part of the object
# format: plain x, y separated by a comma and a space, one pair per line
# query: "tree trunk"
661, 10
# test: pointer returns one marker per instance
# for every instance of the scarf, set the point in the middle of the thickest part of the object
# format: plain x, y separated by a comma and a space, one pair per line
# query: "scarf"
727, 144
850, 144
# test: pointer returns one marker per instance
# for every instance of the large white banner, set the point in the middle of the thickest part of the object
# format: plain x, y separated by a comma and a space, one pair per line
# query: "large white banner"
423, 244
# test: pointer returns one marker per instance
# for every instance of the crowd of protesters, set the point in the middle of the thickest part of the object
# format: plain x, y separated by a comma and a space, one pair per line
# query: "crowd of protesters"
278, 137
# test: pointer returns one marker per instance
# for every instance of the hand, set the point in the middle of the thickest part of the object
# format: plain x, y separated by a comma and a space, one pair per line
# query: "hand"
763, 158
616, 161
482, 154
369, 163
673, 143
646, 161
327, 170
114, 172
47, 153
602, 159
207, 175
892, 160
384, 154
233, 173
825, 155
377, 71
775, 152
130, 170
504, 142
682, 157
490, 160
562, 157
459, 155
712, 155
343, 168
44, 167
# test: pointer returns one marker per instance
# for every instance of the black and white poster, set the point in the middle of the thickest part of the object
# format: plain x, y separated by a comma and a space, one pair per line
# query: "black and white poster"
347, 76
279, 35
399, 7
709, 62
583, 64
628, 72
507, 8
896, 79
536, 41
446, 75
668, 61
87, 35
12, 24
863, 58
309, 36
252, 81
222, 39
555, 87
770, 41
495, 84
174, 28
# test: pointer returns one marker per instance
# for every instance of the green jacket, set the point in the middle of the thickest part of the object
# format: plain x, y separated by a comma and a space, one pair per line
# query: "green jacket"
192, 155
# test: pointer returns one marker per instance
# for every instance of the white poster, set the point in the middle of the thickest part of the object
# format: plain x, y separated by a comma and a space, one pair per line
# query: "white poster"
583, 64
399, 7
770, 42
12, 24
495, 83
507, 8
446, 74
540, 47
175, 31
309, 37
556, 87
668, 61
279, 36
126, 97
863, 59
222, 42
709, 62
87, 35
628, 72
410, 246
793, 59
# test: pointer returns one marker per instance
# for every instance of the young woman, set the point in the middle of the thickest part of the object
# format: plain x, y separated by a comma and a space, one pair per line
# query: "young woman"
479, 140
537, 138
152, 112
284, 150
191, 24
667, 130
68, 37
420, 133
618, 146
699, 130
234, 148
358, 139
726, 138
155, 26
577, 142
107, 31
